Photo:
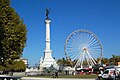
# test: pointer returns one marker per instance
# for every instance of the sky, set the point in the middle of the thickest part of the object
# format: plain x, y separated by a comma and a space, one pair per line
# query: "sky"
102, 17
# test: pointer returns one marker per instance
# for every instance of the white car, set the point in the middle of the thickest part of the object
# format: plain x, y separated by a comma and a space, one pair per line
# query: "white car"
108, 73
31, 74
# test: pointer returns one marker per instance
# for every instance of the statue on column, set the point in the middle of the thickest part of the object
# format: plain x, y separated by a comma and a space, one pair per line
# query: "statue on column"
47, 13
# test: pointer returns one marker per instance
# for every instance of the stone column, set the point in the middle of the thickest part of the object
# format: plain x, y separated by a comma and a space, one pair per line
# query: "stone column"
47, 22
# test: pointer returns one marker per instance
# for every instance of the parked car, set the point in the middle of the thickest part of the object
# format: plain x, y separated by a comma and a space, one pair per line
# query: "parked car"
32, 73
6, 77
109, 74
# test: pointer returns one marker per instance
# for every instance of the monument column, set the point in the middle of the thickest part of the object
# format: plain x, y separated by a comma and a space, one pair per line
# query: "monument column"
47, 22
48, 51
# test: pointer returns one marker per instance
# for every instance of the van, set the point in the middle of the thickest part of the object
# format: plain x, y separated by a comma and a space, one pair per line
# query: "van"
109, 73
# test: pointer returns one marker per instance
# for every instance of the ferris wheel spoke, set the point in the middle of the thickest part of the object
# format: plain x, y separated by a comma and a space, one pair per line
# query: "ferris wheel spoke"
94, 44
71, 52
79, 61
96, 55
93, 41
74, 54
78, 40
91, 58
72, 42
73, 37
77, 57
91, 62
71, 46
91, 38
86, 59
83, 56
96, 48
74, 57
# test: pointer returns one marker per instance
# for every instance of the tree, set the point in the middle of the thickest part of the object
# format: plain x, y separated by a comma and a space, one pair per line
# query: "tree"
114, 60
111, 61
12, 35
19, 66
63, 63
105, 61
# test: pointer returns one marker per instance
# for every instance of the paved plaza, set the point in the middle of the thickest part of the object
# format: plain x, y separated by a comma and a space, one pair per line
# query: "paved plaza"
34, 78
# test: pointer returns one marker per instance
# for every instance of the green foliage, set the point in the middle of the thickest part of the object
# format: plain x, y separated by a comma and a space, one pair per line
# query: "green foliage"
63, 62
105, 61
111, 61
2, 67
12, 35
19, 66
114, 60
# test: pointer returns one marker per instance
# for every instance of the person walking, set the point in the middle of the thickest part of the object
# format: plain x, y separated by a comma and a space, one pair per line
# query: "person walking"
56, 74
115, 74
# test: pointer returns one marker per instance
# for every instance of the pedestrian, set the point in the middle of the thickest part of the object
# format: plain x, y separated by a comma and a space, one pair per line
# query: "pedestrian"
115, 73
56, 74
53, 74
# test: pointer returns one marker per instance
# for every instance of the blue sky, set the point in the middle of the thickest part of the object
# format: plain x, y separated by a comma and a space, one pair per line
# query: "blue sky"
102, 17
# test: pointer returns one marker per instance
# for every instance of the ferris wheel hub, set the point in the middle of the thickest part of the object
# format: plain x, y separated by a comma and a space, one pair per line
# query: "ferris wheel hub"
84, 49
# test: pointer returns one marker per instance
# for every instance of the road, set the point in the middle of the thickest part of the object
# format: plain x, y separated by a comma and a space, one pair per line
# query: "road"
34, 78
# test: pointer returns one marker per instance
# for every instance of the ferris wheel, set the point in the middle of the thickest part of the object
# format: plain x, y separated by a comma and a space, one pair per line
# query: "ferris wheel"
84, 47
